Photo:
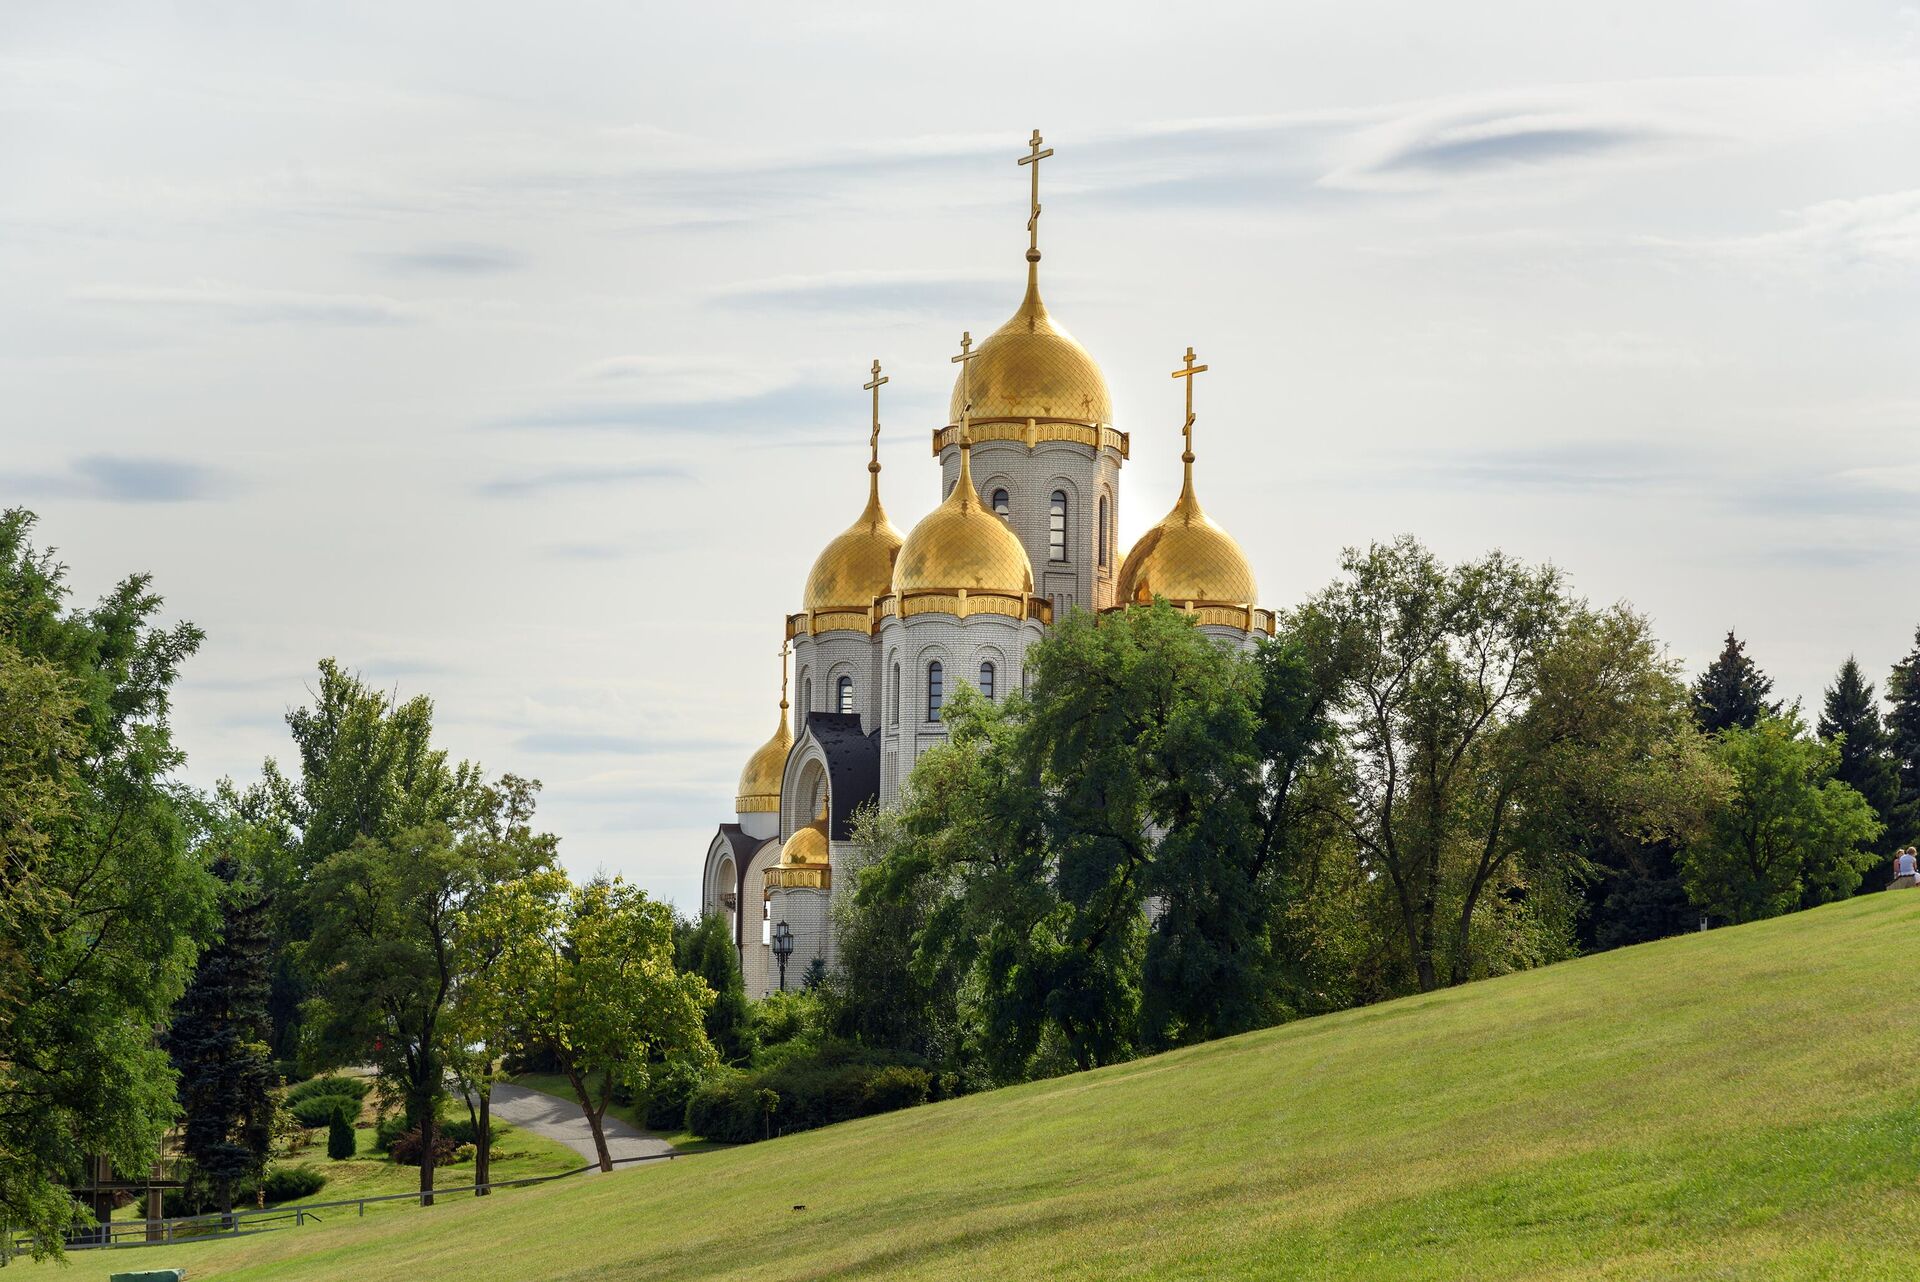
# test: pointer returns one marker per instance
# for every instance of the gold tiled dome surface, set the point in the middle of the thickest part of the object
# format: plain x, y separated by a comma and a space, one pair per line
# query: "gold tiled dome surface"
1031, 368
858, 565
962, 545
1187, 558
759, 790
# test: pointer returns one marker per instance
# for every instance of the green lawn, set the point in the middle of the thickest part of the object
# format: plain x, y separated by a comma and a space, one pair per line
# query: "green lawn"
1744, 1103
557, 1085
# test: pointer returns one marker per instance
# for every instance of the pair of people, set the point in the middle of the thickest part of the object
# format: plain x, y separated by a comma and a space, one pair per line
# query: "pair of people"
1904, 871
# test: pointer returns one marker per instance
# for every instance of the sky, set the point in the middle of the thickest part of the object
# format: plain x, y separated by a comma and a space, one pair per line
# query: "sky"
511, 354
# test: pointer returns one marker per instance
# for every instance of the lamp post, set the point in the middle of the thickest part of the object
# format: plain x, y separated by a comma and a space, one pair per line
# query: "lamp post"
782, 949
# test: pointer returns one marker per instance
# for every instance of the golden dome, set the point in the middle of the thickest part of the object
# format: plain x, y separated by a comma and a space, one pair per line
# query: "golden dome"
858, 565
1031, 368
962, 545
808, 845
1186, 558
759, 789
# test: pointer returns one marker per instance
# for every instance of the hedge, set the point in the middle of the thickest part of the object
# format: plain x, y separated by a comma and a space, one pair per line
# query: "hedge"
836, 1084
354, 1088
320, 1110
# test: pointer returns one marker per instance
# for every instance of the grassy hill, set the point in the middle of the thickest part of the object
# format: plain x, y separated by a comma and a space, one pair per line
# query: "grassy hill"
1744, 1103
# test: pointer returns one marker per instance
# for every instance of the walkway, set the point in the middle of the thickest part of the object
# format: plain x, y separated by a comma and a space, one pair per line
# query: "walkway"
562, 1120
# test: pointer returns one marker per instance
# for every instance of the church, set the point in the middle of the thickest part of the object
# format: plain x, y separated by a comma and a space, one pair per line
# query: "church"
1030, 462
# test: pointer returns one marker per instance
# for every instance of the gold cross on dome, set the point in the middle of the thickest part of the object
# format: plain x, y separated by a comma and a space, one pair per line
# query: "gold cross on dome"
874, 387
967, 354
783, 672
1034, 157
1187, 373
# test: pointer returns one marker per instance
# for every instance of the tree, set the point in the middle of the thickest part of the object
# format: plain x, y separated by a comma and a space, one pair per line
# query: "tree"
341, 1142
594, 968
102, 906
218, 1037
705, 948
1732, 692
1903, 743
1850, 719
1789, 834
1488, 722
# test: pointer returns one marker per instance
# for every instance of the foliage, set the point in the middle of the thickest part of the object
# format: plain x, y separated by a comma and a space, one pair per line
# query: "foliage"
409, 1149
342, 1142
668, 1089
218, 1037
705, 948
285, 1183
1850, 719
1732, 692
1790, 833
836, 1083
353, 1088
102, 907
593, 967
1903, 742
320, 1110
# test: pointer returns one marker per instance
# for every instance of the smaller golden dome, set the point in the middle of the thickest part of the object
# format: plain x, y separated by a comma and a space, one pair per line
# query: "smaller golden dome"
1186, 558
759, 790
962, 545
808, 845
857, 566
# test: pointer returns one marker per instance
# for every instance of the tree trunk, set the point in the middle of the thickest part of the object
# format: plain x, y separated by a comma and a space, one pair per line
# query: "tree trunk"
594, 1115
483, 1143
429, 1134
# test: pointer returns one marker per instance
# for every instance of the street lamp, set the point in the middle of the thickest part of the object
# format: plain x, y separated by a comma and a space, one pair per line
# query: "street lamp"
782, 949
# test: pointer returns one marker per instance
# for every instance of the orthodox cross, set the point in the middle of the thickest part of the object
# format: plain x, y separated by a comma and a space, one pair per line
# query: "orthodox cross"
966, 355
1187, 429
783, 675
1033, 219
874, 387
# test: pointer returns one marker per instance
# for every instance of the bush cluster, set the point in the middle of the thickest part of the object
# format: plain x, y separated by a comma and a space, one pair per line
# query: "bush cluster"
284, 1183
668, 1091
353, 1088
320, 1110
407, 1148
835, 1083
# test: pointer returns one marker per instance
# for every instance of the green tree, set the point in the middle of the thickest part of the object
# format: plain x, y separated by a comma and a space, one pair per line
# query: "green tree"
598, 989
218, 1037
706, 948
102, 905
1789, 834
1903, 743
1850, 718
1732, 692
341, 1141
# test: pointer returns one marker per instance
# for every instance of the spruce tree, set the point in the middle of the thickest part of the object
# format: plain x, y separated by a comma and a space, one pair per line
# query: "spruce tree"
1732, 691
218, 1041
1903, 742
341, 1141
1852, 717
706, 949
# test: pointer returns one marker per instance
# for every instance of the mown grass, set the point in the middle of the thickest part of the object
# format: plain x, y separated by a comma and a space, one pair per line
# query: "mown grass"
556, 1085
1744, 1103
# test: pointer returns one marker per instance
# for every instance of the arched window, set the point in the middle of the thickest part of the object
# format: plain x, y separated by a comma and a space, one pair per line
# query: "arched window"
986, 678
843, 695
1057, 527
1103, 531
806, 695
1001, 504
896, 694
936, 689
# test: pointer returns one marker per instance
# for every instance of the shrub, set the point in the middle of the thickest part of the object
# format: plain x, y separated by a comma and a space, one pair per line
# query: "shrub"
461, 1130
835, 1084
464, 1153
342, 1143
284, 1183
896, 1086
733, 1107
354, 1088
320, 1110
406, 1149
388, 1129
667, 1094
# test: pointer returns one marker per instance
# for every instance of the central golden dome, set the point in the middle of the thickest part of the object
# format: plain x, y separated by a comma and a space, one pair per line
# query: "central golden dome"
808, 845
962, 544
858, 565
1031, 368
1186, 558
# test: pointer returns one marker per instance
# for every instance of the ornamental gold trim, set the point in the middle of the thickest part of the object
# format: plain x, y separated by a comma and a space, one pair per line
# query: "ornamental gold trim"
1032, 431
1218, 614
798, 877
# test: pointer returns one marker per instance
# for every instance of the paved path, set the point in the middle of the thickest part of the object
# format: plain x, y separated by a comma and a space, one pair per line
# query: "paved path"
562, 1120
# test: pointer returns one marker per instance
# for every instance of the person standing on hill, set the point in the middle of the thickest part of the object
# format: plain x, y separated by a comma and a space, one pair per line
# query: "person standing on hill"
1904, 872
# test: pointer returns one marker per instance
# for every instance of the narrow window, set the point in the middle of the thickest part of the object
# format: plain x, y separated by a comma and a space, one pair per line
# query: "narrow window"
896, 694
936, 692
766, 921
1001, 506
1057, 527
1103, 531
843, 695
986, 678
806, 695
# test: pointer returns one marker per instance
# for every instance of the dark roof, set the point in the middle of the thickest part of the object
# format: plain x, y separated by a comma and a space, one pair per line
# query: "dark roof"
853, 766
743, 845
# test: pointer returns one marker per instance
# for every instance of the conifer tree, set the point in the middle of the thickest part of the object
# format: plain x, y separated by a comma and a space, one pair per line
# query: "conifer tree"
1903, 742
218, 1041
1732, 691
1852, 717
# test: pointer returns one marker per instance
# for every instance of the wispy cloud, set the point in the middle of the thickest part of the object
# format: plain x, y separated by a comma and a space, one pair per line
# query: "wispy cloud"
795, 407
1435, 146
254, 306
1853, 239
455, 259
870, 293
120, 478
550, 480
